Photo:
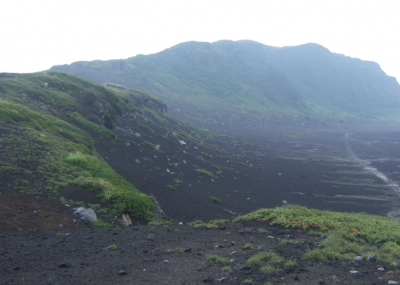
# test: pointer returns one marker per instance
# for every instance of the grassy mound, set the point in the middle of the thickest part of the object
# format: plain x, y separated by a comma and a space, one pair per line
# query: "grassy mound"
347, 234
56, 154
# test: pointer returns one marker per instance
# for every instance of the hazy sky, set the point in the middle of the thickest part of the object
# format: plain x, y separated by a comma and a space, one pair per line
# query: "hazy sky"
36, 35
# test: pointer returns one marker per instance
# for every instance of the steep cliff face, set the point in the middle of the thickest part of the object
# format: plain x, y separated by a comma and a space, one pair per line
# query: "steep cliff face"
251, 79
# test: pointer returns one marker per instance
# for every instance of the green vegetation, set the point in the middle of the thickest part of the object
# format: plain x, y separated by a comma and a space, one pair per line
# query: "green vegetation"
267, 260
290, 263
235, 191
179, 250
205, 173
171, 187
206, 155
185, 76
347, 234
99, 224
221, 261
287, 242
59, 153
147, 128
215, 200
80, 120
247, 246
112, 247
210, 224
159, 222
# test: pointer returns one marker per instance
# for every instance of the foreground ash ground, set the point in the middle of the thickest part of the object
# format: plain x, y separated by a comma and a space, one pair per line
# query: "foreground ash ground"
171, 254
337, 168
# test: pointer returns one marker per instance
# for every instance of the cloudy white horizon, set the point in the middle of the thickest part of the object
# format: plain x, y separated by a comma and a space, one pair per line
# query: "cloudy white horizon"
36, 35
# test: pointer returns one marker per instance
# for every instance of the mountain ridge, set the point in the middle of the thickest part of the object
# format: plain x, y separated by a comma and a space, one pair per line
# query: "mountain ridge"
249, 79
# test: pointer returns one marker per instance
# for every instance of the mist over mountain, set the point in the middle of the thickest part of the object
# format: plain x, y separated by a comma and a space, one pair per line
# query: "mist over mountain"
246, 79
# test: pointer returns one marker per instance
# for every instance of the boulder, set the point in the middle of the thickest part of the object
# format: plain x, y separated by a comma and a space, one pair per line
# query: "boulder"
86, 214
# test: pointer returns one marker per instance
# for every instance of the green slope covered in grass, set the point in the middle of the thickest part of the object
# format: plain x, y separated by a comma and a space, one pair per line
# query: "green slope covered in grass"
44, 145
248, 79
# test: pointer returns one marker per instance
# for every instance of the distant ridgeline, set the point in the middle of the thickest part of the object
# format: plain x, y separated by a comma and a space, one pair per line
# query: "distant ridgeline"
247, 79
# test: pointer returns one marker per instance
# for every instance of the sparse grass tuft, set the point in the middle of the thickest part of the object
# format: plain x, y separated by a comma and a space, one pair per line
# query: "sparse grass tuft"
112, 247
205, 173
99, 224
215, 200
221, 261
247, 246
210, 224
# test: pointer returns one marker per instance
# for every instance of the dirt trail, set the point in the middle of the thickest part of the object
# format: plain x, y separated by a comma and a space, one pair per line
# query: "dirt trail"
366, 165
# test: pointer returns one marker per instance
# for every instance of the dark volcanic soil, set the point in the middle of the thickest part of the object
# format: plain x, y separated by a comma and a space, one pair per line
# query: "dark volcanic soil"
343, 169
83, 256
312, 168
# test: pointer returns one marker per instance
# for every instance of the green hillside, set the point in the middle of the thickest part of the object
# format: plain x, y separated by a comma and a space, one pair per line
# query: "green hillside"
249, 79
44, 140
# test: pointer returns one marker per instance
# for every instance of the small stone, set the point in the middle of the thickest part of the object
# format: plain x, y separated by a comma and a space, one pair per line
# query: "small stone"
64, 265
371, 257
391, 282
296, 278
123, 272
381, 269
358, 258
321, 282
208, 279
233, 243
166, 261
150, 237
334, 277
353, 271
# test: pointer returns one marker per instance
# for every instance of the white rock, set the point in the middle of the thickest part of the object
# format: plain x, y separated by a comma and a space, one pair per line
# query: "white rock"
358, 258
353, 272
391, 282
86, 214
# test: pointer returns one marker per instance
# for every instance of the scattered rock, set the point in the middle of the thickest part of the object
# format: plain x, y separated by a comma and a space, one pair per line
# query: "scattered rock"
208, 279
381, 269
391, 282
150, 237
122, 272
321, 282
358, 258
86, 214
372, 257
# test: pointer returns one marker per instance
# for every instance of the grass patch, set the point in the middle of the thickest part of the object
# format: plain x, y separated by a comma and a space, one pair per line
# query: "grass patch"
210, 224
247, 246
206, 155
287, 242
112, 247
347, 234
221, 261
215, 200
205, 173
99, 224
171, 187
